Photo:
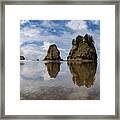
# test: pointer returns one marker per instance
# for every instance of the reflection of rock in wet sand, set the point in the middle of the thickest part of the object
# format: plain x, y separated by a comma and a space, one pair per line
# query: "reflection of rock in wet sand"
22, 63
83, 74
21, 66
53, 68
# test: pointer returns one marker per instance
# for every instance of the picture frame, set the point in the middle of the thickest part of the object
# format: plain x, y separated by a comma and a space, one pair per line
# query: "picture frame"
70, 2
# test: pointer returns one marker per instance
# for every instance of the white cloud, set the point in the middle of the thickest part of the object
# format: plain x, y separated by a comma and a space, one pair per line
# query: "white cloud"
33, 52
95, 22
46, 45
28, 33
46, 23
77, 25
24, 21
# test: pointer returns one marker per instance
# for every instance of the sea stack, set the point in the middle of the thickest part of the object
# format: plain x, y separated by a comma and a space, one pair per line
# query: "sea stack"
83, 49
22, 58
53, 53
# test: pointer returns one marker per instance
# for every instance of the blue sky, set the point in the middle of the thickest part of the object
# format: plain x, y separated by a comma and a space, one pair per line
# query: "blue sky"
37, 35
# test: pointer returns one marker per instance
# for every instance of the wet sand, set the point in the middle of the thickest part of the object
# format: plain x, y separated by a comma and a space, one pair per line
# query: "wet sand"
68, 82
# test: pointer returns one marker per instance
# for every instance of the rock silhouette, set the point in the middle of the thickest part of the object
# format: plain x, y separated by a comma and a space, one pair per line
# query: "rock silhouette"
83, 74
22, 58
53, 53
83, 49
53, 68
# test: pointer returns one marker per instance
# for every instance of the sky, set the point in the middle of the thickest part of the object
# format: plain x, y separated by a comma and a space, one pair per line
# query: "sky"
37, 35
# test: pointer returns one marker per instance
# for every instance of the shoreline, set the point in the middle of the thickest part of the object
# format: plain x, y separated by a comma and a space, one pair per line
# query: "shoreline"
59, 61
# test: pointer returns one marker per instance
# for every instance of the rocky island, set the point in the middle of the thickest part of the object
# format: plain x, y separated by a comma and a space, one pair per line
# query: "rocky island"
22, 58
53, 53
83, 49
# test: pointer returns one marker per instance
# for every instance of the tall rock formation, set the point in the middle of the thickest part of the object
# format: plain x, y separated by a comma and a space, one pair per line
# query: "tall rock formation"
83, 49
53, 53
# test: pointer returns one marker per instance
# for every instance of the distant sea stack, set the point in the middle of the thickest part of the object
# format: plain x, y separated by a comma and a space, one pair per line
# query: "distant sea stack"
83, 49
53, 53
22, 58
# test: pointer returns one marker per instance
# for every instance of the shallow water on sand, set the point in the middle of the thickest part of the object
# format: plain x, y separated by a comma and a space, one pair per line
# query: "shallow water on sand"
59, 81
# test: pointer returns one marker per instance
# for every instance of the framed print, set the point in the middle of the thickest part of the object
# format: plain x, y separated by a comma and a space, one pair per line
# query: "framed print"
60, 59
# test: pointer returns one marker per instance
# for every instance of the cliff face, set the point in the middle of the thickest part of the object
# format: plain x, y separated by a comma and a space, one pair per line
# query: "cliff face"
83, 49
53, 53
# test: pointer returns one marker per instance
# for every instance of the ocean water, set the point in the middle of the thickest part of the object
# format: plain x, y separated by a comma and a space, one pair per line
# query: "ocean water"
41, 80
